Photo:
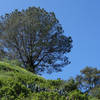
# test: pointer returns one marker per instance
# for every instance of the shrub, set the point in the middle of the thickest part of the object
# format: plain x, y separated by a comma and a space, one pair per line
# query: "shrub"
77, 95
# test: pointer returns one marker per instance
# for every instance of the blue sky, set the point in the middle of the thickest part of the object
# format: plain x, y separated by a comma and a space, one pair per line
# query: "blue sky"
80, 19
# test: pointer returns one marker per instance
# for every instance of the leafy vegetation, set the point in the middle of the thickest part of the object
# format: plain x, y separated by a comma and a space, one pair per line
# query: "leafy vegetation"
32, 41
89, 79
35, 38
16, 83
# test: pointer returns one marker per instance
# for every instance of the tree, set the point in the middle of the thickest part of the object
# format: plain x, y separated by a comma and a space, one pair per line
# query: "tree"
35, 37
89, 78
70, 85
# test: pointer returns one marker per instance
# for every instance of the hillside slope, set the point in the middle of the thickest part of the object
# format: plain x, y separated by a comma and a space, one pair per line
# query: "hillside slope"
16, 83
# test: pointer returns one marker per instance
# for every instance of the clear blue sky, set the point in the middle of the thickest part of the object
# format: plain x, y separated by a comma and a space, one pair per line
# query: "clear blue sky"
80, 19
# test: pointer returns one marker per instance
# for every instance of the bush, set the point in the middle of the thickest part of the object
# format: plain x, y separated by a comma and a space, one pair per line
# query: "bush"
46, 96
95, 92
18, 84
77, 95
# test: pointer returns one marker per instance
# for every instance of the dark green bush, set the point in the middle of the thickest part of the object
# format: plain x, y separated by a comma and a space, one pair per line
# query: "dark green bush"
77, 95
18, 84
95, 92
46, 96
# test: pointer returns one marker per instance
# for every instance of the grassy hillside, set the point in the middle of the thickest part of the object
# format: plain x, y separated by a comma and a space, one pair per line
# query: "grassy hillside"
10, 71
16, 83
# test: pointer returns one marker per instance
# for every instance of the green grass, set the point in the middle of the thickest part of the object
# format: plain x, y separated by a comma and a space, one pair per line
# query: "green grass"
15, 82
8, 70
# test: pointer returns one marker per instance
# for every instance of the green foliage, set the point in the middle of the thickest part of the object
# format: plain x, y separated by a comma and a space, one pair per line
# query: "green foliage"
70, 85
35, 38
89, 78
16, 83
77, 95
92, 98
56, 83
47, 96
95, 92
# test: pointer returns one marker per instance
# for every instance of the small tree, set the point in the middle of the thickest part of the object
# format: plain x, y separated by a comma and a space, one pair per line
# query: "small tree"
70, 85
89, 78
35, 38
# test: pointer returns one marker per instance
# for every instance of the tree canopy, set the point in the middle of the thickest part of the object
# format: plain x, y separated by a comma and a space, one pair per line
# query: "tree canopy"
89, 79
35, 38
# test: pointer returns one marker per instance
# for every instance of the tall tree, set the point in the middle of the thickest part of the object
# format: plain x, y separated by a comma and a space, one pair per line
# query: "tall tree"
89, 78
35, 37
